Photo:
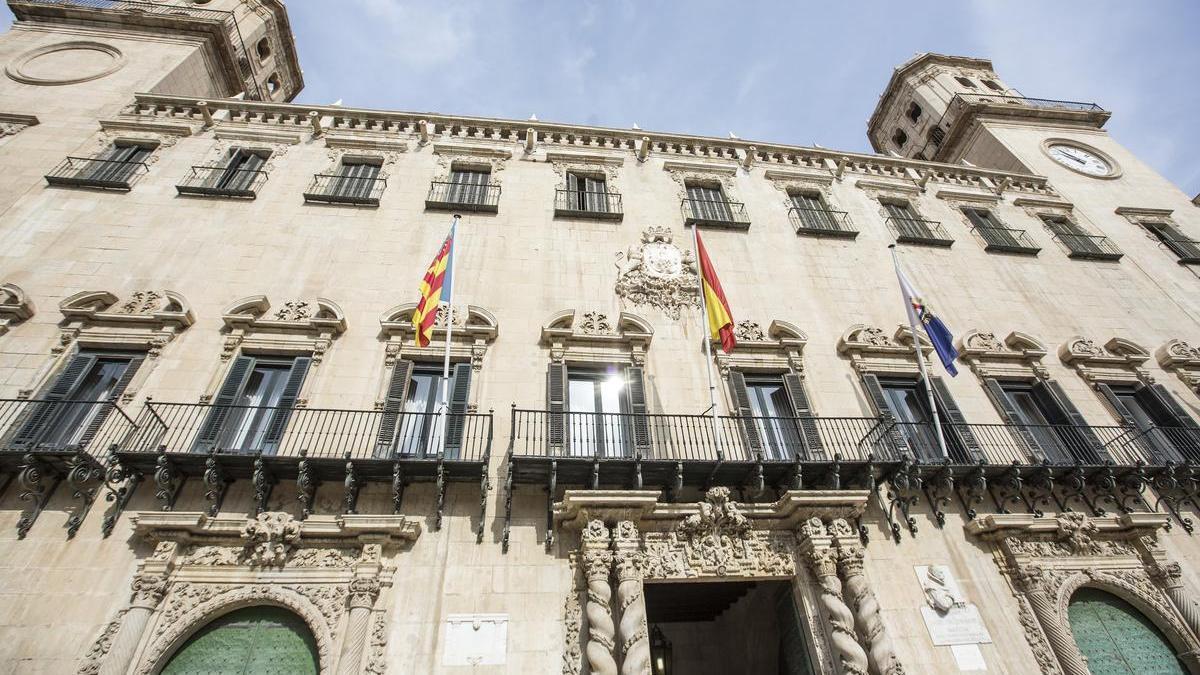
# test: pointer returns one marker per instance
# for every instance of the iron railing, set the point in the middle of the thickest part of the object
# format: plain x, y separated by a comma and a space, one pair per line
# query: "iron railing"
327, 188
106, 174
587, 204
919, 231
822, 222
1006, 239
318, 432
1089, 246
463, 196
1044, 103
68, 426
220, 181
1187, 250
715, 212
172, 8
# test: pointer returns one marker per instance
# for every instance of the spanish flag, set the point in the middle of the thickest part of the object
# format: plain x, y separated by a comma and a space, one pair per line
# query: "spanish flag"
720, 320
437, 277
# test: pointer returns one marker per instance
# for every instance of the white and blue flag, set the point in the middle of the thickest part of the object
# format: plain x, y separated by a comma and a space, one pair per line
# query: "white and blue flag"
935, 328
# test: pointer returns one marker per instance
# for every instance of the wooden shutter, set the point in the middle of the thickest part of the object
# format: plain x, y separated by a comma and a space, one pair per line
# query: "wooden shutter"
1082, 442
898, 444
391, 419
41, 413
456, 419
1012, 417
131, 368
635, 386
963, 445
556, 404
219, 411
811, 446
287, 401
747, 424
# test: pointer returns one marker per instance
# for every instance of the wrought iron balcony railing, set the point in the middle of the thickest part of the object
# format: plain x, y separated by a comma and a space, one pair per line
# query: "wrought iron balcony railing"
584, 204
220, 181
1007, 240
105, 174
314, 433
822, 222
1045, 103
1089, 246
1188, 250
62, 426
920, 231
715, 212
338, 189
463, 197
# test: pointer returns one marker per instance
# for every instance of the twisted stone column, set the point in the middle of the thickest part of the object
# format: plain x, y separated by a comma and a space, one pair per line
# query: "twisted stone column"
850, 654
633, 631
148, 591
363, 592
597, 562
1031, 582
866, 612
1170, 577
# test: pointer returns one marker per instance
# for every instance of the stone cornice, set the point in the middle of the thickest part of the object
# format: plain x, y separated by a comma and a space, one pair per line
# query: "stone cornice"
1005, 524
165, 128
195, 526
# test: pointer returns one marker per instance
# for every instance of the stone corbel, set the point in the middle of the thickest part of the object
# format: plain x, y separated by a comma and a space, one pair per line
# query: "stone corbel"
15, 306
296, 327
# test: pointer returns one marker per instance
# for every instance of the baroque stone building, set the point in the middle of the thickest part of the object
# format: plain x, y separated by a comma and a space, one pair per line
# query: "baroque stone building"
221, 451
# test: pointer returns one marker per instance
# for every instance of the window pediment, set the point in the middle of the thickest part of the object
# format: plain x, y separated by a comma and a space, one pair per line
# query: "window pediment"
779, 347
295, 326
871, 350
474, 329
1017, 356
591, 336
15, 306
1182, 359
1119, 360
145, 319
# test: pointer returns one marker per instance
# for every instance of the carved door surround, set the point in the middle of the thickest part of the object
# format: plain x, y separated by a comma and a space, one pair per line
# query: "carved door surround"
1046, 560
331, 571
629, 537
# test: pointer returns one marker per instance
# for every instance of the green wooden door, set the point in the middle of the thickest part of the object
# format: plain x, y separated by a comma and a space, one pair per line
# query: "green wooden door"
250, 641
1117, 639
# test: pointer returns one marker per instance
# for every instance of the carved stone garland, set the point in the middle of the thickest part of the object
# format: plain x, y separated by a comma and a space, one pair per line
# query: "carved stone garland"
1046, 561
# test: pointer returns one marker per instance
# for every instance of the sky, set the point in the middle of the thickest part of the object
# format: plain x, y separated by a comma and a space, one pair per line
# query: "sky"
786, 72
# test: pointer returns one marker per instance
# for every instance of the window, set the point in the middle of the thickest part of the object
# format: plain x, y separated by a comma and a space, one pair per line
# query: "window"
992, 85
899, 138
1079, 242
469, 186
776, 418
240, 171
71, 411
914, 111
116, 166
965, 82
356, 179
1187, 249
1046, 421
995, 235
263, 48
1169, 434
251, 409
708, 203
906, 401
597, 411
273, 84
813, 213
937, 135
910, 227
586, 193
412, 421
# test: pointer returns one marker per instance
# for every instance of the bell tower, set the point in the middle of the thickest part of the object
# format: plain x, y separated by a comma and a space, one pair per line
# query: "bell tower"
936, 107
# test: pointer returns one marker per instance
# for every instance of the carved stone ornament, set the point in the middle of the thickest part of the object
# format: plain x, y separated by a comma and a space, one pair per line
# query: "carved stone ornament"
11, 124
295, 326
778, 347
271, 537
146, 319
474, 330
1118, 360
1046, 560
658, 274
588, 165
1182, 359
591, 335
1017, 356
15, 306
455, 156
872, 350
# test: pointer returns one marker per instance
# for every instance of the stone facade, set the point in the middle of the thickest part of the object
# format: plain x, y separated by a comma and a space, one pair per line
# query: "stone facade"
114, 556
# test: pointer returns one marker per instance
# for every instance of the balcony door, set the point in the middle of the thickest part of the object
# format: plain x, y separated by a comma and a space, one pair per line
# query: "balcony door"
355, 180
598, 413
1167, 432
1047, 422
771, 411
468, 186
72, 409
812, 211
906, 401
412, 424
586, 193
251, 411
117, 164
708, 203
239, 172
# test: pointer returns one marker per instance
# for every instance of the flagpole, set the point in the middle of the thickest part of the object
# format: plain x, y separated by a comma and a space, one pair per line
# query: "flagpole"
920, 358
445, 404
712, 387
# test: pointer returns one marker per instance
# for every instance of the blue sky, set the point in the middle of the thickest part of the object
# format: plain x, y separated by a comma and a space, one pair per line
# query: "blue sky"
791, 72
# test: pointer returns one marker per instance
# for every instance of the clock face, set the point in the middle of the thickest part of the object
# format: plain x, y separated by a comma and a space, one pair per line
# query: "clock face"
1079, 159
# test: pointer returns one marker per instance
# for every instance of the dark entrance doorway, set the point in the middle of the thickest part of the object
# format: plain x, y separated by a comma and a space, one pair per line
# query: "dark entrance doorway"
721, 627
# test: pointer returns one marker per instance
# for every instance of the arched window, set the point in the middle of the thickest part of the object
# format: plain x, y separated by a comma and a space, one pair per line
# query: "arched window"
263, 48
273, 84
1116, 638
260, 639
899, 138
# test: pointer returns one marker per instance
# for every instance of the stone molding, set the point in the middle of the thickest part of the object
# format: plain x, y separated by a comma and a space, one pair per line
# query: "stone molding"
703, 173
15, 306
871, 350
779, 347
12, 124
1017, 356
158, 128
1138, 217
1045, 560
658, 273
16, 68
349, 142
1118, 361
575, 336
1181, 358
475, 329
295, 327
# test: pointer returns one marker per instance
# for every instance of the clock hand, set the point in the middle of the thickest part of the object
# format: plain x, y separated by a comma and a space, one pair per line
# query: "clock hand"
1071, 157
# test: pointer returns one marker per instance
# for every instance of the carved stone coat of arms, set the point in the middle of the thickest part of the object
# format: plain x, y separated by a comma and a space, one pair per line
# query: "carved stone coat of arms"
657, 273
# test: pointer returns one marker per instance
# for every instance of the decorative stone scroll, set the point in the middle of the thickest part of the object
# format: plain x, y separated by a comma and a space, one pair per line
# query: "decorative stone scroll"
1046, 560
871, 350
592, 336
1119, 360
475, 329
1181, 358
295, 326
1017, 356
657, 273
146, 320
330, 570
779, 347
15, 306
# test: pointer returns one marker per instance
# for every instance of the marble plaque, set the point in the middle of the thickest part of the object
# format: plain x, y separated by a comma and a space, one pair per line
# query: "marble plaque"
475, 640
949, 618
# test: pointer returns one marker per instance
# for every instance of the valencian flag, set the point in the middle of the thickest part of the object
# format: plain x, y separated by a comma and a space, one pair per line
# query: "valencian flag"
435, 289
919, 312
720, 320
